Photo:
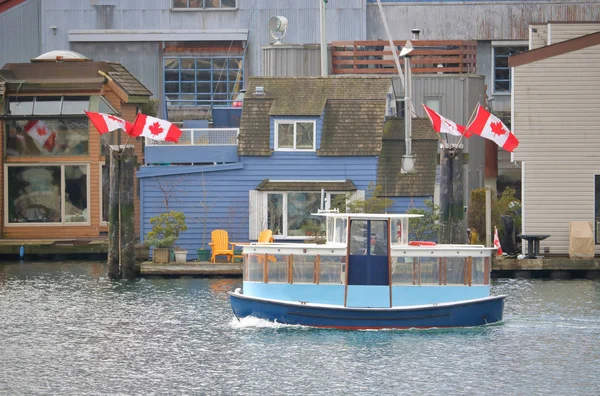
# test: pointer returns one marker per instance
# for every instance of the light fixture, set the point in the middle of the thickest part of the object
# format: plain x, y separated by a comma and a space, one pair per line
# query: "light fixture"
53, 29
407, 49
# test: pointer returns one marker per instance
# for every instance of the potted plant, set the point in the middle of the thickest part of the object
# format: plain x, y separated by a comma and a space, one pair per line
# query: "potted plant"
180, 254
165, 231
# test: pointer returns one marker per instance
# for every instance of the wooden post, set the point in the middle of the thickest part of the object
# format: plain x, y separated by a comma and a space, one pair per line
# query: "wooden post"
113, 217
127, 208
452, 228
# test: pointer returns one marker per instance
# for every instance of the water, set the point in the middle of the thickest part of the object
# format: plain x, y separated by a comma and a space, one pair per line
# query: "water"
65, 329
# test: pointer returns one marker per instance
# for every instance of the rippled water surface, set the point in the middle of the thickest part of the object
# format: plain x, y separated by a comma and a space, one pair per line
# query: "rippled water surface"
66, 329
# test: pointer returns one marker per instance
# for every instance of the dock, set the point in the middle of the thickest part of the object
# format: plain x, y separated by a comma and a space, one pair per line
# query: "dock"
558, 267
191, 268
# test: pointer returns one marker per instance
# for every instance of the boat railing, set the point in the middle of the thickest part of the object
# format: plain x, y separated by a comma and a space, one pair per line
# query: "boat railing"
441, 265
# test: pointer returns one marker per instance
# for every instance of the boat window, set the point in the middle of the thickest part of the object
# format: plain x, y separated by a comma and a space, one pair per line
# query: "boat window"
330, 229
379, 238
275, 213
304, 269
358, 237
47, 137
278, 268
455, 270
255, 267
341, 229
478, 270
429, 270
332, 269
402, 270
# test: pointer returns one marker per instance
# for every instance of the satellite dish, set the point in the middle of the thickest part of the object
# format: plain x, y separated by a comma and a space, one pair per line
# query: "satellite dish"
407, 49
278, 27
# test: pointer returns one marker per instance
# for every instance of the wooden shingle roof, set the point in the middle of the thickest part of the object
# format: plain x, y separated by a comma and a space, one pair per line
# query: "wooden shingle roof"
352, 128
424, 146
306, 185
127, 81
353, 108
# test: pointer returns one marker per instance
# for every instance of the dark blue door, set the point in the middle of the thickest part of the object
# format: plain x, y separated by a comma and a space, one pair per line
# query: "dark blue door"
368, 253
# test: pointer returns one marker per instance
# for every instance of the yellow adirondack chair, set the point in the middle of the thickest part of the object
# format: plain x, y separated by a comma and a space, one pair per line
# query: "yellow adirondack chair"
266, 236
220, 245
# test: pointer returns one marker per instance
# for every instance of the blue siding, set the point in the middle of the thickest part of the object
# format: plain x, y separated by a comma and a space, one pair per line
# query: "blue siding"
402, 204
227, 189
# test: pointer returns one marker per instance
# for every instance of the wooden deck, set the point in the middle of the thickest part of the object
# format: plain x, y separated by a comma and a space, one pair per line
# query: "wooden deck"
54, 246
191, 268
546, 267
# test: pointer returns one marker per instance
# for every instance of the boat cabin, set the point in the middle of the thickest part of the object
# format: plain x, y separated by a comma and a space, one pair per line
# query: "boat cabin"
368, 260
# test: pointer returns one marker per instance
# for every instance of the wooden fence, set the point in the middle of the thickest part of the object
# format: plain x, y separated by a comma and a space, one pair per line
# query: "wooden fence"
376, 57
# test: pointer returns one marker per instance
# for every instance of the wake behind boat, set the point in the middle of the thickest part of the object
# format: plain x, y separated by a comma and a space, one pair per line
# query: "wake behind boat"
388, 282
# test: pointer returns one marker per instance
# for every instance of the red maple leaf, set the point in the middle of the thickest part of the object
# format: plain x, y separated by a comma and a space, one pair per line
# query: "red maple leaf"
117, 119
41, 131
498, 128
155, 129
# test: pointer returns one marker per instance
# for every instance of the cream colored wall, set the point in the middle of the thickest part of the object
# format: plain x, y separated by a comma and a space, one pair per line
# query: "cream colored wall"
566, 31
557, 121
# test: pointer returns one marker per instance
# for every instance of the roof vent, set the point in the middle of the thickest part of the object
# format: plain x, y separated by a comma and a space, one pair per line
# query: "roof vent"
61, 56
259, 91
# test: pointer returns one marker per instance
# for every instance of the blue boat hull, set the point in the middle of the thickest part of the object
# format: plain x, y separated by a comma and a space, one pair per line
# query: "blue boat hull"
457, 314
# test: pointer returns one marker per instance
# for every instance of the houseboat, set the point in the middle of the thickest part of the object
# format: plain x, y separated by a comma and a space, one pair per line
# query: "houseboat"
368, 275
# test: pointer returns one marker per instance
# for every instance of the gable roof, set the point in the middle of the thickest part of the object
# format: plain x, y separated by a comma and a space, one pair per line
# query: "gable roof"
549, 51
419, 183
39, 76
353, 109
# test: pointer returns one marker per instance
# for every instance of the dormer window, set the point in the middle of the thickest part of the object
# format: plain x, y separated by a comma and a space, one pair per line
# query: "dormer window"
295, 135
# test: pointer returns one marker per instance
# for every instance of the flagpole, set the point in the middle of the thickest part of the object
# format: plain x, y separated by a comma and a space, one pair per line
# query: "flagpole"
466, 130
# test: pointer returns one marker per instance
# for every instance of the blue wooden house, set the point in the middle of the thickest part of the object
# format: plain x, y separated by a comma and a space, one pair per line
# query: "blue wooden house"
301, 143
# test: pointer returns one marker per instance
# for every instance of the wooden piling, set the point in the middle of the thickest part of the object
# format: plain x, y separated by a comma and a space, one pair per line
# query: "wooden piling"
113, 271
127, 208
452, 228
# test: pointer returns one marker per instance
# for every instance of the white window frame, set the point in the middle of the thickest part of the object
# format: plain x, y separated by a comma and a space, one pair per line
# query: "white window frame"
284, 223
503, 44
62, 223
295, 123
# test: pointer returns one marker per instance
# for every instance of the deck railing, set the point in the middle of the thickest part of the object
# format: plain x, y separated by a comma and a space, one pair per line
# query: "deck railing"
375, 57
202, 137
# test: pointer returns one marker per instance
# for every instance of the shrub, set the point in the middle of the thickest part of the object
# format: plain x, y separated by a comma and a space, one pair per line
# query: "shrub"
165, 229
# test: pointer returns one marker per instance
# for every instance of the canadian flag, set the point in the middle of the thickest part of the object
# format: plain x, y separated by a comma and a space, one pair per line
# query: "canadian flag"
155, 128
497, 242
38, 130
107, 122
491, 127
444, 125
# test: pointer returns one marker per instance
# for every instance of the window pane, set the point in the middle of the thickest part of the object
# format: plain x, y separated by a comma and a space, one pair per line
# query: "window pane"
171, 63
275, 213
47, 137
455, 271
255, 268
502, 86
34, 194
20, 105
502, 74
203, 63
433, 104
331, 270
76, 202
187, 63
212, 3
188, 87
179, 3
285, 136
105, 191
379, 238
171, 75
299, 219
188, 75
304, 267
278, 270
402, 270
228, 3
195, 3
358, 237
47, 105
203, 75
75, 105
304, 135
172, 88
429, 269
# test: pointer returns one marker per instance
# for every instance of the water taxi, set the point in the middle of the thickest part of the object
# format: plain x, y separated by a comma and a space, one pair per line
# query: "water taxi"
368, 275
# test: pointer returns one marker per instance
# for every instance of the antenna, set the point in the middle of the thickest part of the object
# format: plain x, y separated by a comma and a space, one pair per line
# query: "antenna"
278, 28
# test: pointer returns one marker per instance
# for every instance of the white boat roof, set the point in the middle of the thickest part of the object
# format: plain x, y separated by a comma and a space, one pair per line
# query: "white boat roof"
368, 216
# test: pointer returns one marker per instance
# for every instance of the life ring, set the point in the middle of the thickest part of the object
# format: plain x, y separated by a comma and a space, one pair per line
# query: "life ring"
421, 243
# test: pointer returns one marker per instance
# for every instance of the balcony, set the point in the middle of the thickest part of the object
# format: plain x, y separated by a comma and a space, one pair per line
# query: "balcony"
429, 57
195, 146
